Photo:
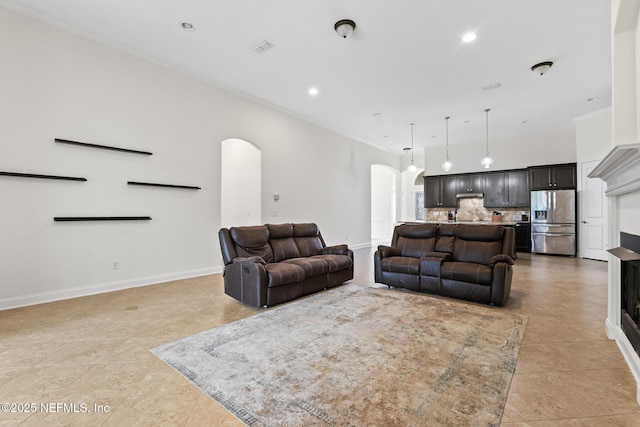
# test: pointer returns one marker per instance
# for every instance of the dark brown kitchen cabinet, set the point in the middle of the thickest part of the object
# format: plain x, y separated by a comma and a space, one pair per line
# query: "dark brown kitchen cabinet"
469, 184
553, 177
507, 189
518, 186
440, 191
494, 190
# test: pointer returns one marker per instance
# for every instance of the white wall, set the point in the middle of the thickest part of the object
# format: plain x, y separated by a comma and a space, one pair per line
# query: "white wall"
508, 153
383, 201
59, 85
241, 183
593, 136
629, 212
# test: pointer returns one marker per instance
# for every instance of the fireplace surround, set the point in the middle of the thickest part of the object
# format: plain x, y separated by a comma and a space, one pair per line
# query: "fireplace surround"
629, 255
620, 169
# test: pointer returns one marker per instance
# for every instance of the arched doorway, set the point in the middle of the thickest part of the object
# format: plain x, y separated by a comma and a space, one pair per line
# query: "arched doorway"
241, 183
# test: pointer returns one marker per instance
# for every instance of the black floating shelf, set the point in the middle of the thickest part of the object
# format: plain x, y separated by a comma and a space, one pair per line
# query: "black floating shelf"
151, 184
104, 147
31, 175
102, 218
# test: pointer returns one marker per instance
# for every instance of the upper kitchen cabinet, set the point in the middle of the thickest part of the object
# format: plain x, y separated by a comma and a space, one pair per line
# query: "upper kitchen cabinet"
440, 191
509, 189
554, 177
494, 190
469, 184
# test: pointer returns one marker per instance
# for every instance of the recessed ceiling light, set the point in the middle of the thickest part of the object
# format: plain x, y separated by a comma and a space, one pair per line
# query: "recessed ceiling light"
313, 91
595, 98
469, 37
187, 26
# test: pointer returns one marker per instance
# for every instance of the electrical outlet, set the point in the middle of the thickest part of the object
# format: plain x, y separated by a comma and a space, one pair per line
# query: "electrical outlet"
115, 265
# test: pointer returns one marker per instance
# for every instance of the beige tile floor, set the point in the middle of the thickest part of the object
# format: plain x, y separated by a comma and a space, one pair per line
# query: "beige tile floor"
94, 351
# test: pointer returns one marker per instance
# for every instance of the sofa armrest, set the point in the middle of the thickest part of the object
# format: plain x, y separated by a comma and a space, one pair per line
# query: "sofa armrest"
246, 280
335, 250
442, 255
500, 258
388, 251
251, 259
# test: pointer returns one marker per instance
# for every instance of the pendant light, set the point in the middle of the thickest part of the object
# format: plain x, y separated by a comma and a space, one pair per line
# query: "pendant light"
487, 161
447, 165
412, 168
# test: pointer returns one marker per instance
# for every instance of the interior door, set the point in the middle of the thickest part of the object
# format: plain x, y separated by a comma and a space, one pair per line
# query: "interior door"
593, 215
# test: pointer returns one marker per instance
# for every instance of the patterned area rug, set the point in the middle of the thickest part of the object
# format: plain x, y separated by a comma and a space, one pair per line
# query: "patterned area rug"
358, 357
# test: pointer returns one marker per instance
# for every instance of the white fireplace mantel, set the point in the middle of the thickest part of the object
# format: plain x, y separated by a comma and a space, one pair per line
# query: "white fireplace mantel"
620, 169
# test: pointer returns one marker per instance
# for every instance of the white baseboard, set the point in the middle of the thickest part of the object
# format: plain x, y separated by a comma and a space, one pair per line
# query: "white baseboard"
630, 356
360, 246
62, 294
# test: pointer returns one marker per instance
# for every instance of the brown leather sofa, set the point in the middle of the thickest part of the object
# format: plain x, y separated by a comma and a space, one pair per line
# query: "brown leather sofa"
471, 262
273, 263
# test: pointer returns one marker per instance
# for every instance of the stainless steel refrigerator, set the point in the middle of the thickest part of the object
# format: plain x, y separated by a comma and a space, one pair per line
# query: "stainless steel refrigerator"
553, 222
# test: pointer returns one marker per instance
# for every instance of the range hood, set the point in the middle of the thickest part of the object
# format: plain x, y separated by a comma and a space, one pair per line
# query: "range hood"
469, 195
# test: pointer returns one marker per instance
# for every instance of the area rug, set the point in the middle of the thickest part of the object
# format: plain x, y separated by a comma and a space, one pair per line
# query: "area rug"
358, 357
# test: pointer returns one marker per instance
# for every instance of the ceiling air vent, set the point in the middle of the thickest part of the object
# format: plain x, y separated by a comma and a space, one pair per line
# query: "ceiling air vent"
492, 86
262, 46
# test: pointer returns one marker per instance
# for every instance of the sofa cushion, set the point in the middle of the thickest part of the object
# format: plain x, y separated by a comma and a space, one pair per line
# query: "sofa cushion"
477, 243
313, 266
400, 264
252, 241
307, 238
281, 241
284, 249
417, 231
283, 273
445, 239
280, 231
466, 272
486, 233
414, 240
336, 262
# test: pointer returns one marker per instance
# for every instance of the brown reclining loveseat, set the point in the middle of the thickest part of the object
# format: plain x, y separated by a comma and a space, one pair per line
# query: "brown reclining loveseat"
269, 264
471, 262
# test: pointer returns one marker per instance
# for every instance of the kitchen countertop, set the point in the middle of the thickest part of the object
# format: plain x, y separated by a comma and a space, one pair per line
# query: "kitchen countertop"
506, 223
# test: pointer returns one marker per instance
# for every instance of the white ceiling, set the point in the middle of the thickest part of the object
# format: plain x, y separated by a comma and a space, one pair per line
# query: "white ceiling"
405, 60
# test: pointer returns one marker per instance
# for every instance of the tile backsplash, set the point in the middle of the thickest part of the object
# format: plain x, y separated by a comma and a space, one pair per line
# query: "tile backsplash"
471, 209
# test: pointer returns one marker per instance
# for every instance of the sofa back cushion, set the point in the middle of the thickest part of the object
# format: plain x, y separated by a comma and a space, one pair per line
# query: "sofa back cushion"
477, 243
308, 239
415, 240
445, 239
252, 241
282, 243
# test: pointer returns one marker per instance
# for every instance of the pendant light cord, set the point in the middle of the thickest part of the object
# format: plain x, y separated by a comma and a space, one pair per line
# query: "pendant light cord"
412, 142
487, 115
447, 137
